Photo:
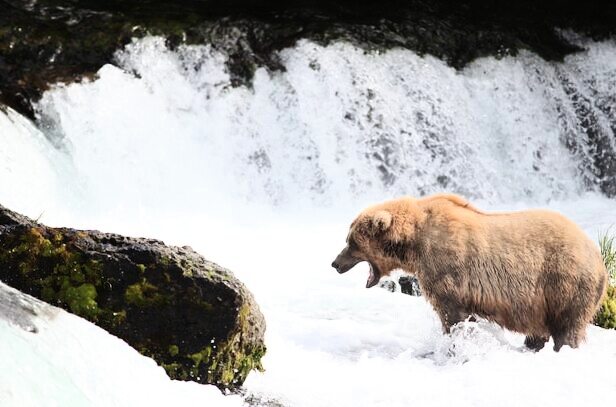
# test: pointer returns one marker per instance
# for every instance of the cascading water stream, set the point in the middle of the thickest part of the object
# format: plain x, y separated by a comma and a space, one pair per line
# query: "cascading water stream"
338, 124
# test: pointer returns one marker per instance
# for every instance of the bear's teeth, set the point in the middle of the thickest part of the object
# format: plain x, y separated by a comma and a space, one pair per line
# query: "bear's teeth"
373, 278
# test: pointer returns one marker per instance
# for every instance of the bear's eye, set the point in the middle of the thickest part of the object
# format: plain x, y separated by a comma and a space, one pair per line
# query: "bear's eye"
352, 244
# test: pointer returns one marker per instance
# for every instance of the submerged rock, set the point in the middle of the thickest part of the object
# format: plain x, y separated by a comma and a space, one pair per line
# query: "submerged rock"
190, 315
409, 285
388, 285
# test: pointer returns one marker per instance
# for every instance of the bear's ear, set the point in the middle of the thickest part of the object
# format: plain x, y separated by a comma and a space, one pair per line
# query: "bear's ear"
380, 221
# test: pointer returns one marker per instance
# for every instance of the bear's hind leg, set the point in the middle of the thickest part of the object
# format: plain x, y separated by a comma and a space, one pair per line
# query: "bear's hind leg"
569, 326
571, 309
572, 337
535, 343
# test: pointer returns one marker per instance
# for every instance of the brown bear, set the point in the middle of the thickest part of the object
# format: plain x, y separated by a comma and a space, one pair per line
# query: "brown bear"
533, 272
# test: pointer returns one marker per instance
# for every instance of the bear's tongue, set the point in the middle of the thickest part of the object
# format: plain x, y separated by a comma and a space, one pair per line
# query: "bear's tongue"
373, 278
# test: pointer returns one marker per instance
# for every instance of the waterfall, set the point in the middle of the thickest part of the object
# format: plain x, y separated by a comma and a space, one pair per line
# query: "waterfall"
163, 128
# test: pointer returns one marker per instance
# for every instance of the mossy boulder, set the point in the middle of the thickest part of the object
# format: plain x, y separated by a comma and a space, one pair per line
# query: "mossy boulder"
190, 315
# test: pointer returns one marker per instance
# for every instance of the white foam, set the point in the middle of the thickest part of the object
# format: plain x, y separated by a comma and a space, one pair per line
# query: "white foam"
28, 174
71, 362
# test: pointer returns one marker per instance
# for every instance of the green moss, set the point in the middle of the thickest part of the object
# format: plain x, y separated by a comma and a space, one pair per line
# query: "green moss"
228, 363
25, 268
144, 294
202, 356
58, 273
227, 376
32, 242
141, 268
81, 300
606, 316
134, 294
31, 245
195, 297
77, 276
231, 364
91, 269
46, 248
174, 350
224, 363
175, 370
165, 260
48, 294
116, 318
72, 281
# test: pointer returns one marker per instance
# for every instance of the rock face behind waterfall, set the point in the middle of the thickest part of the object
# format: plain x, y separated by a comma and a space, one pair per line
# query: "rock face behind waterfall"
190, 315
49, 41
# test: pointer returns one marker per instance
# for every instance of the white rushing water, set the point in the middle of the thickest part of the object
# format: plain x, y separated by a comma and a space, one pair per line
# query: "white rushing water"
337, 125
70, 362
265, 180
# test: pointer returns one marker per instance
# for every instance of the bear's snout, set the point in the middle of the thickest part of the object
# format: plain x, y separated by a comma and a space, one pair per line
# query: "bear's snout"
340, 268
344, 261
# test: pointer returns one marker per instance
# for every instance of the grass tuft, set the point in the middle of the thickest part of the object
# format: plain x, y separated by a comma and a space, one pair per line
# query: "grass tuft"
607, 243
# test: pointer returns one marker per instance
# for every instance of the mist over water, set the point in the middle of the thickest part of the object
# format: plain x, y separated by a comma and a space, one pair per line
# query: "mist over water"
265, 179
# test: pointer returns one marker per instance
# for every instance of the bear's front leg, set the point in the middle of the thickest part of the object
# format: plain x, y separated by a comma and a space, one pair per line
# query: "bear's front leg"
450, 316
535, 342
444, 322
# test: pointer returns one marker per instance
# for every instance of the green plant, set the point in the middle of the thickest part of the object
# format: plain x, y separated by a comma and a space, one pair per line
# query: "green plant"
606, 316
607, 244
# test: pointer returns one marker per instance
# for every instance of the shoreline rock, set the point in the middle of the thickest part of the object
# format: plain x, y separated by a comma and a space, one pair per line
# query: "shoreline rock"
193, 317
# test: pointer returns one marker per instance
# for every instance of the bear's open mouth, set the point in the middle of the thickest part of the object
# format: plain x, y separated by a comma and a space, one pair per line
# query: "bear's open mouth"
374, 277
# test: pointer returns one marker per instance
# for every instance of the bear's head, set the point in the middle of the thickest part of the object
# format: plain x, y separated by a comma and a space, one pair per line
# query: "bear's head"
386, 236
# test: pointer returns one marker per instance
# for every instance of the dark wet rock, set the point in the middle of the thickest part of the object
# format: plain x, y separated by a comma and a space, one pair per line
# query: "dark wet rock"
190, 315
409, 285
47, 41
388, 285
261, 400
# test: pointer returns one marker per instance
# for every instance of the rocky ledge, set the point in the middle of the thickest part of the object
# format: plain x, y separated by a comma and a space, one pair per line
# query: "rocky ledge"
190, 315
47, 41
